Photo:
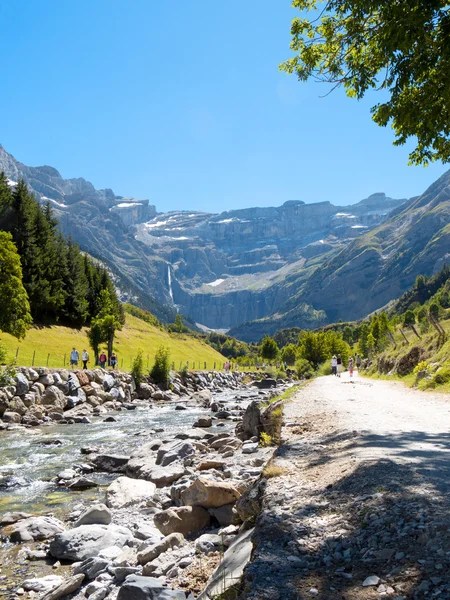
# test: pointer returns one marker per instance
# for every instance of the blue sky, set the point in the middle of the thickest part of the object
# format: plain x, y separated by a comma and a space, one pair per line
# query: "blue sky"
182, 102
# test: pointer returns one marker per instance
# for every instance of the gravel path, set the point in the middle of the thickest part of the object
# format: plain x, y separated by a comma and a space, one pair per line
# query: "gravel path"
359, 489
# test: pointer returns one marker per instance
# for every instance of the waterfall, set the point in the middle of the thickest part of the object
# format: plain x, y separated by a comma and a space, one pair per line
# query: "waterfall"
169, 279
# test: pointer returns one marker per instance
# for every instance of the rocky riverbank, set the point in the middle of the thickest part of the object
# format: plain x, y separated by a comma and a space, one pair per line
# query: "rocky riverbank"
179, 506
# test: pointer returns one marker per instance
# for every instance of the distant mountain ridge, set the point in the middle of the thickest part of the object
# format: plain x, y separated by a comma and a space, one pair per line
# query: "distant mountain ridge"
253, 270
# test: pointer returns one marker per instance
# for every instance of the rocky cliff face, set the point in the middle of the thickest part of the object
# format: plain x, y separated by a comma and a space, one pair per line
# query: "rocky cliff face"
297, 264
374, 268
99, 221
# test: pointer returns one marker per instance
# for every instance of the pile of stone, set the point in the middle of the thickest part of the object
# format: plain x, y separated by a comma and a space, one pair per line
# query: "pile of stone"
175, 500
44, 395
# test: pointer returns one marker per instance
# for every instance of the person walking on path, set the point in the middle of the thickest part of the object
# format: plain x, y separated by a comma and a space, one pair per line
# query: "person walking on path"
338, 365
358, 361
350, 366
102, 359
74, 358
85, 358
334, 365
113, 360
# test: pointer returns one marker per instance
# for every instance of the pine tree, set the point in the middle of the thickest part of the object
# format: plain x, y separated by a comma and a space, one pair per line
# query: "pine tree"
77, 305
15, 315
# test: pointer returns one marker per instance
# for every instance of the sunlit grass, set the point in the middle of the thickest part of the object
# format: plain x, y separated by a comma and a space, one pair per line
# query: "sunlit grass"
52, 346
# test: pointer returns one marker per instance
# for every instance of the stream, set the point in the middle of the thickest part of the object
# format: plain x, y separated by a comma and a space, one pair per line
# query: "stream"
30, 461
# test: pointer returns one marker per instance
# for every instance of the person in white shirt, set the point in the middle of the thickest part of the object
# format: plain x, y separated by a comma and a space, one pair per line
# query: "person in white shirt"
334, 365
85, 358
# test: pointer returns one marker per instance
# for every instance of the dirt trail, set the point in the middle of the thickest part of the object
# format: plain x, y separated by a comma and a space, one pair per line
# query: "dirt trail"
360, 489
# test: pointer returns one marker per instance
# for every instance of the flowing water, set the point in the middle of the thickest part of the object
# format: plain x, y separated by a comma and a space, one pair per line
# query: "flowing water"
30, 462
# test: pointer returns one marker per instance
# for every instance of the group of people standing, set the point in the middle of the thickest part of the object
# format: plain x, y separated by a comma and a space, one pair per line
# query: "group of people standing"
102, 359
337, 366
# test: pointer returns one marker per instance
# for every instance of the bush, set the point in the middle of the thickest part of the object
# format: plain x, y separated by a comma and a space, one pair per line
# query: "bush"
265, 439
184, 372
304, 368
7, 375
422, 366
161, 367
324, 369
137, 368
442, 375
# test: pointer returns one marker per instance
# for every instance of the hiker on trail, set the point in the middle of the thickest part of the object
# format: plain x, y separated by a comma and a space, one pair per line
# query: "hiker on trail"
358, 361
85, 358
338, 365
102, 359
113, 360
350, 366
334, 365
74, 358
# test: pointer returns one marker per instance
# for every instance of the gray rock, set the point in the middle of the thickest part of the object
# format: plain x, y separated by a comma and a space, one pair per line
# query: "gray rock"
372, 580
81, 483
163, 476
53, 396
87, 541
35, 528
66, 588
209, 542
152, 552
42, 584
231, 568
250, 448
95, 514
22, 385
137, 587
203, 422
112, 463
174, 451
11, 417
92, 567
125, 491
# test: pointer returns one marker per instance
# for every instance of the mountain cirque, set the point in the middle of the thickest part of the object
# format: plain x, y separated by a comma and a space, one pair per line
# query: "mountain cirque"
297, 264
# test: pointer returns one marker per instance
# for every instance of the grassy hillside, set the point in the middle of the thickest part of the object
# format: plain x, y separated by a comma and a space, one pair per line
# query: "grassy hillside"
53, 343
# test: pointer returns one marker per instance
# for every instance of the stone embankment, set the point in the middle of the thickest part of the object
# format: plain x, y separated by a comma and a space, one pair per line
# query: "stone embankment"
41, 395
177, 521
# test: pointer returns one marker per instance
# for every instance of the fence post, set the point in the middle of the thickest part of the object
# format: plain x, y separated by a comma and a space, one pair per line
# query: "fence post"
34, 354
214, 366
48, 358
64, 360
148, 361
187, 364
181, 364
17, 353
205, 365
121, 365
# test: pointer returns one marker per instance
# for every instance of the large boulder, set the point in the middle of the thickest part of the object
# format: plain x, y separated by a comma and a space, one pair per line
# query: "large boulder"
264, 384
112, 463
82, 377
251, 424
137, 587
98, 514
65, 589
22, 384
178, 450
125, 492
164, 476
53, 396
17, 405
210, 494
88, 540
35, 529
11, 417
182, 519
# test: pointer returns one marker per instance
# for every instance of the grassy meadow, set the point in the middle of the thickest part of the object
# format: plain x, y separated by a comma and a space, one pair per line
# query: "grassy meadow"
52, 345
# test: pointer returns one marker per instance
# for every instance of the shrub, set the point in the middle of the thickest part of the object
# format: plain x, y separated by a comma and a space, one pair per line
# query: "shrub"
161, 367
137, 368
184, 372
265, 439
422, 366
324, 369
442, 375
7, 375
304, 368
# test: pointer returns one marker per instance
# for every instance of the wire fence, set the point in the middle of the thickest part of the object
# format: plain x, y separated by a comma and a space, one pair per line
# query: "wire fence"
55, 360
